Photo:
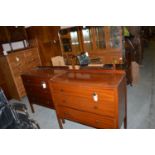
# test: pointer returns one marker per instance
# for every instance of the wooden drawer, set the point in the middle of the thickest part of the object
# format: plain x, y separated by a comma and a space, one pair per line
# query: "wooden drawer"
35, 62
37, 91
32, 57
32, 80
106, 95
16, 58
31, 53
91, 119
101, 107
32, 62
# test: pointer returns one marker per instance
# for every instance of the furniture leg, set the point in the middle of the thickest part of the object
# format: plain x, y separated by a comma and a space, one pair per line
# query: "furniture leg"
32, 109
125, 123
63, 121
60, 124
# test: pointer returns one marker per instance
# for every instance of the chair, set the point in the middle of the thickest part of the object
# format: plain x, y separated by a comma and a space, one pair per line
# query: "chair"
14, 115
58, 61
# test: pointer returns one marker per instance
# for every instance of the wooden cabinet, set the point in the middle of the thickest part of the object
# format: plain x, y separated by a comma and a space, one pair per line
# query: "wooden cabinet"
99, 99
14, 64
47, 40
37, 90
104, 42
12, 34
70, 41
16, 33
36, 83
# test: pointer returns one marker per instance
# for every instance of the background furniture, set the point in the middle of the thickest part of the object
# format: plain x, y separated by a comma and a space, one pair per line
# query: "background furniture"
13, 65
58, 61
47, 40
12, 34
36, 83
92, 97
99, 41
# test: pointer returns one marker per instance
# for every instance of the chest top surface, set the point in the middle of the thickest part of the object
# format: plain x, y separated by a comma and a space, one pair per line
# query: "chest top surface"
44, 73
97, 79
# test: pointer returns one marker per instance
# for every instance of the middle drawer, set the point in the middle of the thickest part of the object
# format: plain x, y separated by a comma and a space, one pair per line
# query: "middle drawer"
102, 107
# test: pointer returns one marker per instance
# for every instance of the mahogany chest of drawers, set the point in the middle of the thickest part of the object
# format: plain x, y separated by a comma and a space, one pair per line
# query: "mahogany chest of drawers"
14, 64
95, 99
36, 83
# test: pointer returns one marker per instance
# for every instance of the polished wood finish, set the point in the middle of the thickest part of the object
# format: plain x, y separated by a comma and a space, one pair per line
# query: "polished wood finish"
73, 92
46, 39
4, 36
12, 34
36, 83
14, 64
16, 33
75, 40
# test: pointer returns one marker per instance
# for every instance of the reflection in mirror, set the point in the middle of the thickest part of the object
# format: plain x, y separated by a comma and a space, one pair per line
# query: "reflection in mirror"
115, 36
100, 37
75, 42
87, 39
66, 40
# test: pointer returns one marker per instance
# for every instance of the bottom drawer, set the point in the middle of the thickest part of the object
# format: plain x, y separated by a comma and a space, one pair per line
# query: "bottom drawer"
86, 118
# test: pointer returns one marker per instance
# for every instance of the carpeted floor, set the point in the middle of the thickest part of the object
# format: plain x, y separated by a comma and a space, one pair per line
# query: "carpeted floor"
140, 102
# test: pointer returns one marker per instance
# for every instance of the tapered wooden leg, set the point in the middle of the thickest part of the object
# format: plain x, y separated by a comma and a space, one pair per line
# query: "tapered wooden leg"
32, 109
125, 123
60, 124
63, 121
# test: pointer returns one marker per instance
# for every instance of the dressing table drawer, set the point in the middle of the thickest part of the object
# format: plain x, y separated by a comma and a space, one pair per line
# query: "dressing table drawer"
91, 119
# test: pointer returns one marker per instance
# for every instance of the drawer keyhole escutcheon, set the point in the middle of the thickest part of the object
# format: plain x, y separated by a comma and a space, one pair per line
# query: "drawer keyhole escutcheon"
95, 97
17, 59
43, 84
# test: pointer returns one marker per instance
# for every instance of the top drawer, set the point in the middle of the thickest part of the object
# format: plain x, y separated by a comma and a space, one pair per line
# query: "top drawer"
31, 53
84, 91
16, 58
32, 80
